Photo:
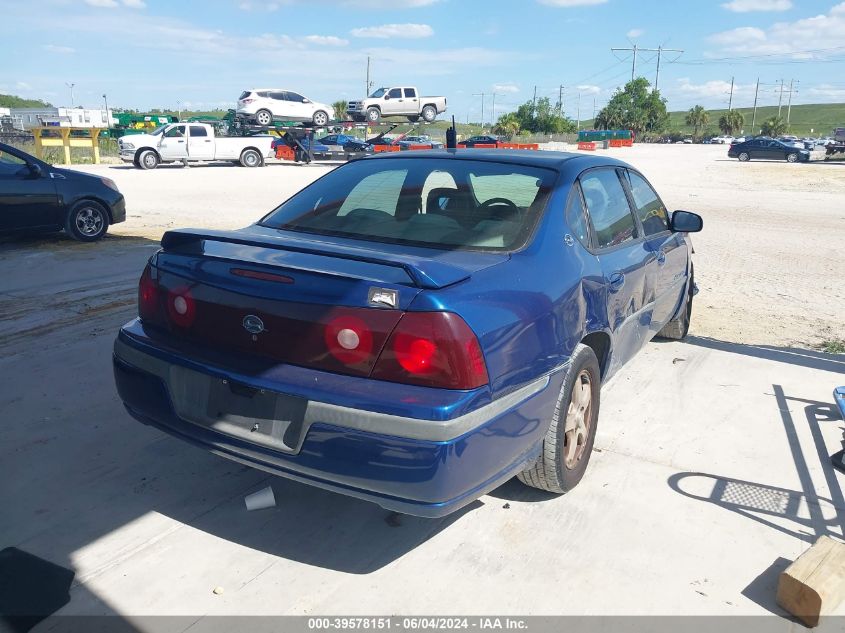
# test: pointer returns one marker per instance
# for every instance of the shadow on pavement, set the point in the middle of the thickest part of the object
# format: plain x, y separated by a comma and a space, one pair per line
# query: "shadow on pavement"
812, 359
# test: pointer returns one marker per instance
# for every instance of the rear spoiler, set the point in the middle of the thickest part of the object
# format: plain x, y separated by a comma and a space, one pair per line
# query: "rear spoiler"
422, 273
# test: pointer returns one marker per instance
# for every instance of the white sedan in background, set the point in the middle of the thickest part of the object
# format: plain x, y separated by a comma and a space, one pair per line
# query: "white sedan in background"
263, 105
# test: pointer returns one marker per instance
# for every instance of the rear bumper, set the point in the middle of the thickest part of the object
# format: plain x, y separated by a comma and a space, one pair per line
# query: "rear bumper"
118, 210
416, 466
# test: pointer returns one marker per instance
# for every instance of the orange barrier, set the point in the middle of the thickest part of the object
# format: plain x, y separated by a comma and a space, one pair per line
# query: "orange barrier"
411, 147
385, 148
529, 146
484, 146
587, 146
283, 152
627, 142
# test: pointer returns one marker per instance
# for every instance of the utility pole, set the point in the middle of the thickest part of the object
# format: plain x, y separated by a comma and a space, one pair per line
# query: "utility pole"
754, 118
482, 95
594, 111
493, 120
560, 108
534, 102
659, 50
71, 85
108, 118
780, 100
731, 98
367, 88
789, 108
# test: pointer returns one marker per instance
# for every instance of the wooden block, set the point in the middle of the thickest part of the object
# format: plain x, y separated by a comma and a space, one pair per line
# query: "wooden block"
814, 585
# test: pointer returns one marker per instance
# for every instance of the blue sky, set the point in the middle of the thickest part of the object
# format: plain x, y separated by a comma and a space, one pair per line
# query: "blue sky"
155, 53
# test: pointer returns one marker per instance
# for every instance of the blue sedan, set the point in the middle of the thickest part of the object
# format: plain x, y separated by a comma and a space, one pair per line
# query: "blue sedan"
412, 330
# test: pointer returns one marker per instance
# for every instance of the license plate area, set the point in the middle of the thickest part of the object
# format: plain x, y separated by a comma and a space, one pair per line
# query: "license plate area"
259, 416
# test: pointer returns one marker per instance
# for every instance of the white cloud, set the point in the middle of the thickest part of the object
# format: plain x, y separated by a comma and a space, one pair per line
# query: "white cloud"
390, 4
62, 50
22, 85
571, 3
634, 33
110, 4
589, 89
388, 31
134, 4
113, 4
325, 40
508, 88
746, 6
826, 93
787, 38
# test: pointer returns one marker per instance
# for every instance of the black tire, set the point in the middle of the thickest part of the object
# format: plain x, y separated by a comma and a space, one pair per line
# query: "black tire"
413, 119
744, 157
320, 118
135, 162
264, 117
87, 221
792, 158
373, 115
429, 113
678, 328
551, 472
148, 159
251, 158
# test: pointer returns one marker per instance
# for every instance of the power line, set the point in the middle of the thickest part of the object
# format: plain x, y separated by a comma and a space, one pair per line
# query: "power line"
659, 50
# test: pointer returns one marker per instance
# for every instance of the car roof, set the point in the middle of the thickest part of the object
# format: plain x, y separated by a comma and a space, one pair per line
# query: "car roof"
531, 158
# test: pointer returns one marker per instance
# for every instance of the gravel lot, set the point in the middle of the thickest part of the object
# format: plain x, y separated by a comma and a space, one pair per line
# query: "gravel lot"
712, 471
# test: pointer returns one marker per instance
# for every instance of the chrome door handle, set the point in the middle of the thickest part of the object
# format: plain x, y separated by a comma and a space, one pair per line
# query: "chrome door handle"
661, 257
616, 281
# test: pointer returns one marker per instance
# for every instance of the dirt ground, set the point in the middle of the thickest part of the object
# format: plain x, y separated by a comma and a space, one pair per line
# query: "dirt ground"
769, 262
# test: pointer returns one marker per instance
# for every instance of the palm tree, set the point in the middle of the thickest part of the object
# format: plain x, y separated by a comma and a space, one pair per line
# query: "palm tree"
507, 125
731, 122
339, 108
697, 117
774, 126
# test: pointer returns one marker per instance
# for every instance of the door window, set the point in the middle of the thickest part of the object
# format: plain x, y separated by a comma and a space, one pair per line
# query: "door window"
608, 207
177, 131
396, 93
278, 95
297, 98
410, 93
198, 130
576, 218
650, 209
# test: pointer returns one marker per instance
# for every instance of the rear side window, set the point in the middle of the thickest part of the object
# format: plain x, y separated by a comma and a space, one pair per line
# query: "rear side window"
576, 218
266, 94
432, 202
650, 209
608, 207
245, 94
410, 92
396, 93
198, 130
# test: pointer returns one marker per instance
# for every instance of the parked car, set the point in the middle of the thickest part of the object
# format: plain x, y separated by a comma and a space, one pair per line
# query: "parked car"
356, 145
337, 139
35, 196
404, 101
192, 142
485, 139
723, 140
319, 149
392, 331
263, 105
768, 149
408, 141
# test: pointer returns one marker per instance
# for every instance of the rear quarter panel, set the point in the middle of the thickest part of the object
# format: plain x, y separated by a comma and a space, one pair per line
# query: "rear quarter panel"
228, 148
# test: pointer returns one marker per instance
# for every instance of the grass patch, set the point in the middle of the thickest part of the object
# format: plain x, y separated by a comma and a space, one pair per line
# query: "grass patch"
833, 346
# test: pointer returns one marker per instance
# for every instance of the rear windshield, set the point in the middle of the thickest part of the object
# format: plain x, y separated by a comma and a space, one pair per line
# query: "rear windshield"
245, 94
440, 203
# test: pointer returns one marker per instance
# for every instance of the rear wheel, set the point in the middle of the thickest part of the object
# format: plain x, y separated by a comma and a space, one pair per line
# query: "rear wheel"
413, 119
87, 221
264, 117
792, 158
251, 158
148, 159
429, 114
744, 157
569, 441
320, 118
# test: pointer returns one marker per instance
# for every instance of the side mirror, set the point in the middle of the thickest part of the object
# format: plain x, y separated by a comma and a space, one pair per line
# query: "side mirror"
35, 170
386, 97
686, 222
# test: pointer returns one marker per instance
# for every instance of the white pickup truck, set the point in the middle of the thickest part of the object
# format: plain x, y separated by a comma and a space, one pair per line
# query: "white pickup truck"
404, 101
191, 142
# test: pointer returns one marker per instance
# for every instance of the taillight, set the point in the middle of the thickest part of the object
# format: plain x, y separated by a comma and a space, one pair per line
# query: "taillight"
247, 100
433, 349
181, 307
148, 295
349, 339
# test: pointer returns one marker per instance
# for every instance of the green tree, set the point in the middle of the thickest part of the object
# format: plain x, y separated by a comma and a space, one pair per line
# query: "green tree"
635, 107
731, 122
774, 126
541, 117
339, 108
508, 125
11, 101
697, 117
